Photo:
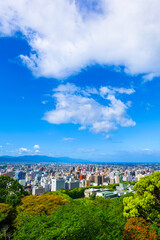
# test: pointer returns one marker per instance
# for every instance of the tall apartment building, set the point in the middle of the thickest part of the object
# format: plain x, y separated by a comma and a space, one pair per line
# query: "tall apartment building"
72, 184
87, 183
106, 180
117, 179
91, 178
98, 179
58, 183
112, 180
20, 175
82, 183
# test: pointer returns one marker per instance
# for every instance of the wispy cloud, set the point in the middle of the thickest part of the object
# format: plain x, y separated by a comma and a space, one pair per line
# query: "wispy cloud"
68, 139
147, 150
86, 150
115, 33
113, 90
78, 106
23, 150
108, 136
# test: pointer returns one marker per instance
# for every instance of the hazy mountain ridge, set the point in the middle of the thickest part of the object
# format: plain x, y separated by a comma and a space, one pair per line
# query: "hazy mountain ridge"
132, 158
39, 158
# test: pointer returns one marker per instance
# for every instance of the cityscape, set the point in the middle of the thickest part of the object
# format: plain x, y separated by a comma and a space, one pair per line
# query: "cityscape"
80, 120
39, 178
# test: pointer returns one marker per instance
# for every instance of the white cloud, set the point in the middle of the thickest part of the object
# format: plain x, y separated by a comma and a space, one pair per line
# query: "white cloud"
124, 90
146, 150
65, 37
88, 150
113, 90
108, 136
82, 128
8, 143
68, 139
23, 150
36, 146
37, 151
73, 106
44, 102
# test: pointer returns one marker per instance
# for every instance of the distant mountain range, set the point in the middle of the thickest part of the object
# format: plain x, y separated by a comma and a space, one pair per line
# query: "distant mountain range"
39, 159
123, 158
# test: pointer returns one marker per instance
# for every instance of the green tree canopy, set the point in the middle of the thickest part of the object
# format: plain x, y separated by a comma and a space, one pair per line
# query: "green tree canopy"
7, 215
41, 204
10, 191
92, 197
80, 219
146, 200
5, 209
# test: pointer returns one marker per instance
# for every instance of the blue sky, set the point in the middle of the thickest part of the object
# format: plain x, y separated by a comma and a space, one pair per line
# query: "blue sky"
64, 94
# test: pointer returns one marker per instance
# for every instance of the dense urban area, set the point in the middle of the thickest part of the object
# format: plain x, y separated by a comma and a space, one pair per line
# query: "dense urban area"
38, 179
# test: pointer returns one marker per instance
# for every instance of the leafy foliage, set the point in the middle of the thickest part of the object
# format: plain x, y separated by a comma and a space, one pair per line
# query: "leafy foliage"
80, 219
92, 197
6, 219
130, 182
11, 191
140, 229
41, 204
61, 193
5, 209
146, 200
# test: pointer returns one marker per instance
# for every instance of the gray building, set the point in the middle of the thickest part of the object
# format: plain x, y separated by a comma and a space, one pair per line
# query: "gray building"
38, 190
58, 183
98, 179
20, 175
72, 184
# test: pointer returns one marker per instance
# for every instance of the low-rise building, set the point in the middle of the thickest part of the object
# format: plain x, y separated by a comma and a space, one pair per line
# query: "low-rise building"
96, 191
38, 190
107, 194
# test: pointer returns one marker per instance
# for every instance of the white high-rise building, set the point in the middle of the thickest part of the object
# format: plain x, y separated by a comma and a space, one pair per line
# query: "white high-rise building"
117, 179
58, 183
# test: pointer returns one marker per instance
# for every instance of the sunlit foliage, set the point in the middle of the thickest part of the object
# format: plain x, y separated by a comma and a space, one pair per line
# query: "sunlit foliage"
41, 204
146, 200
